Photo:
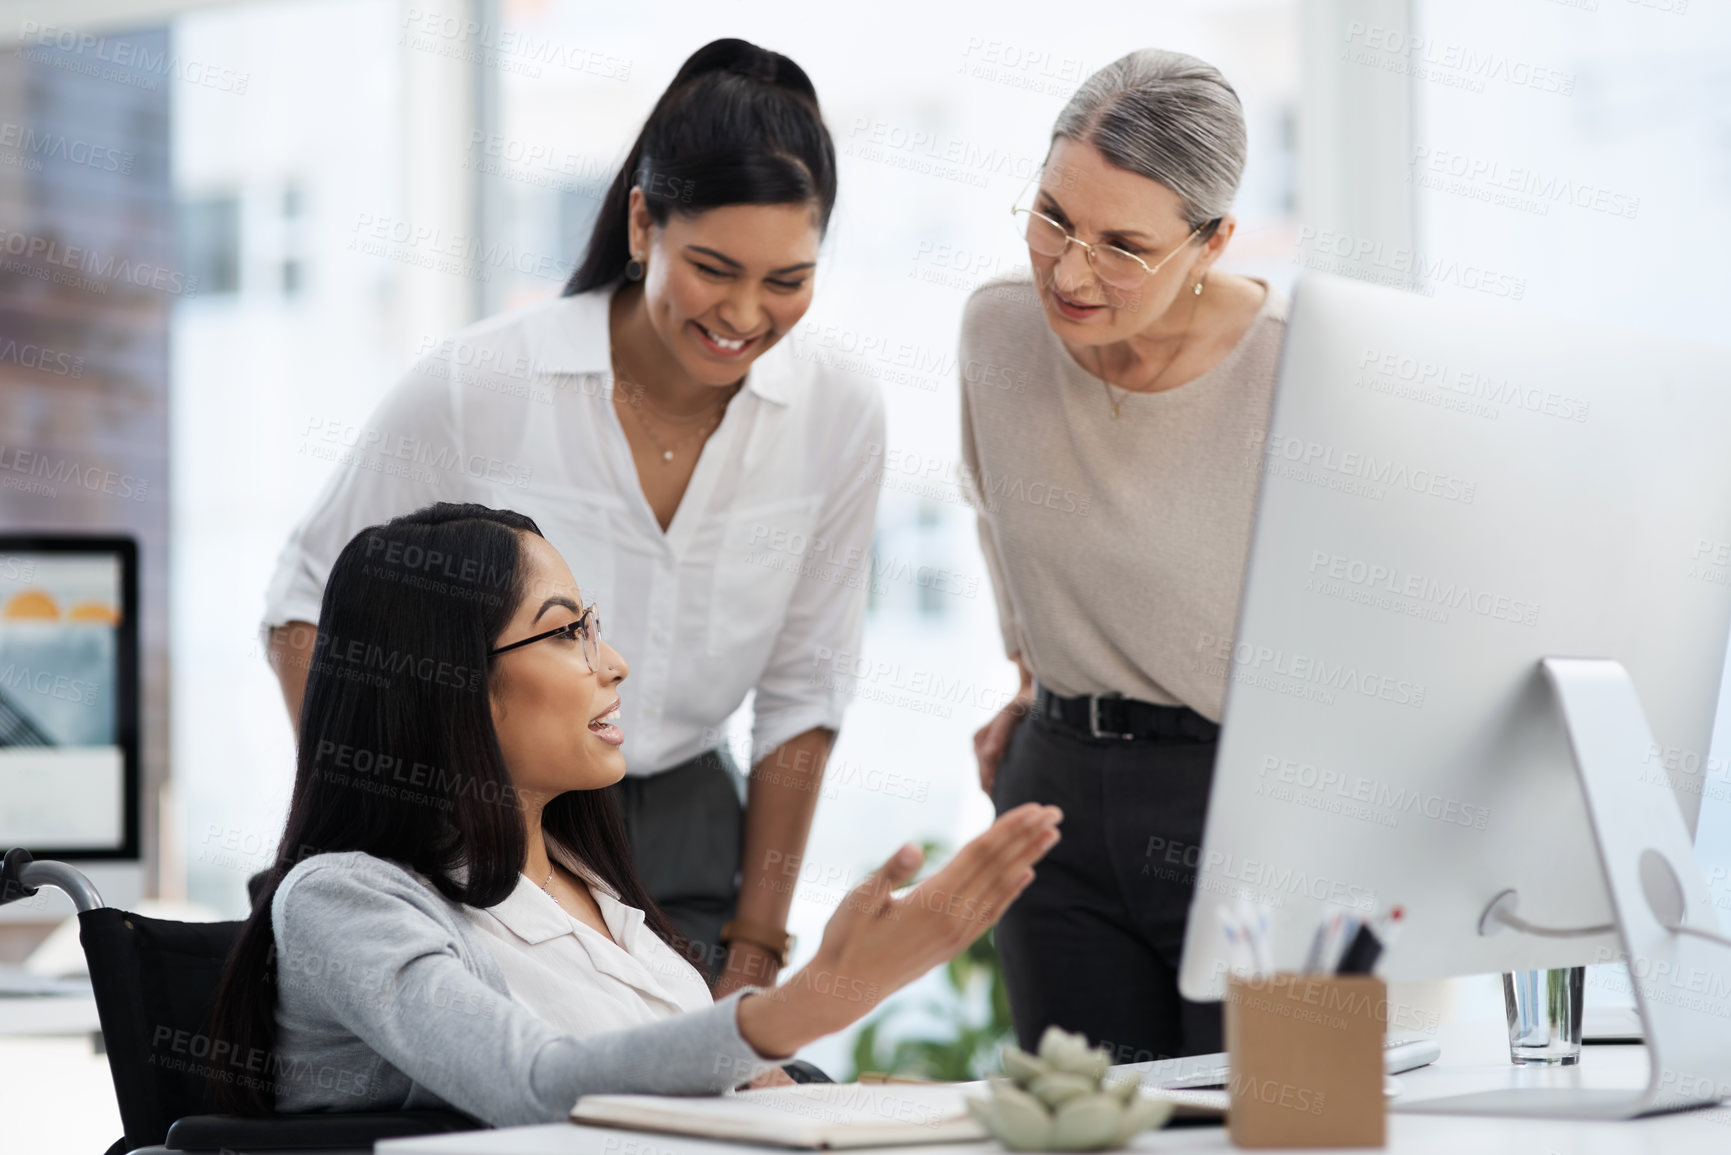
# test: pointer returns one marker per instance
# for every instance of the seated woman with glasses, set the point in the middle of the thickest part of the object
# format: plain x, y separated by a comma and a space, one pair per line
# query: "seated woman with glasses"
1116, 535
453, 919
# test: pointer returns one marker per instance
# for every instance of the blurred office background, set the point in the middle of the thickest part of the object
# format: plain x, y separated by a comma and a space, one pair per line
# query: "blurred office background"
325, 187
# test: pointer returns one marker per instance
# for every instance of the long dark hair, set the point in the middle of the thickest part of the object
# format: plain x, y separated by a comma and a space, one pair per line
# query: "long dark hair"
739, 125
397, 754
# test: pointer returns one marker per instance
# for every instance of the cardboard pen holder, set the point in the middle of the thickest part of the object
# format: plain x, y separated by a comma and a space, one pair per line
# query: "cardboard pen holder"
1305, 1054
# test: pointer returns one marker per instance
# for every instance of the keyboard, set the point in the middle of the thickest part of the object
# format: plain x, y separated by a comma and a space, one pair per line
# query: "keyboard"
1397, 1055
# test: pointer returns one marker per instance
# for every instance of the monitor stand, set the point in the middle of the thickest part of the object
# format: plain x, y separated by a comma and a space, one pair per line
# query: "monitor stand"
1681, 982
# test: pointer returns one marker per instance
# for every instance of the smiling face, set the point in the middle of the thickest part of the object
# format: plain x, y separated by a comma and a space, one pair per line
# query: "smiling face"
1098, 202
547, 703
723, 285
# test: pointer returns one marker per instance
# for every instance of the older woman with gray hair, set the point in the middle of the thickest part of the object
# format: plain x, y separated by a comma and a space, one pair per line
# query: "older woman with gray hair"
1115, 495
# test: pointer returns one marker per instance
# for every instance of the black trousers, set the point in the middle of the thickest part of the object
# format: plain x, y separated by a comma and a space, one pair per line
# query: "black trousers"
1093, 945
687, 830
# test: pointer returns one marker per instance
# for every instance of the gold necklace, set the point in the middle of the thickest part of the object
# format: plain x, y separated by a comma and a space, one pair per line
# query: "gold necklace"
668, 450
1182, 339
640, 399
549, 890
705, 421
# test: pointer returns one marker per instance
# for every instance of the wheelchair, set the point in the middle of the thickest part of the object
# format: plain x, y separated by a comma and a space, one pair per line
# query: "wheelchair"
155, 985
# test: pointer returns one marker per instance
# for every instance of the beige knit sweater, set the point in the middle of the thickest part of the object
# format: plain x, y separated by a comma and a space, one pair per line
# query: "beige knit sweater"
1116, 546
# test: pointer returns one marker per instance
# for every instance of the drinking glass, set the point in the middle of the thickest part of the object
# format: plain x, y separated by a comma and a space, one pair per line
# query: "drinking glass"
1544, 1012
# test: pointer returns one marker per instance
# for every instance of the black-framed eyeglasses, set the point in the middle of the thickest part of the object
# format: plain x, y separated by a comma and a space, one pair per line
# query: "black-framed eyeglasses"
586, 631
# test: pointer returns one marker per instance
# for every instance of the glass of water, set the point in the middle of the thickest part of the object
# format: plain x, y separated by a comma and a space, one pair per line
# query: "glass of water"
1544, 1012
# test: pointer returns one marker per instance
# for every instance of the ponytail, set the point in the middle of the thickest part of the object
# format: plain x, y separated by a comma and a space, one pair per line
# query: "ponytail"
738, 125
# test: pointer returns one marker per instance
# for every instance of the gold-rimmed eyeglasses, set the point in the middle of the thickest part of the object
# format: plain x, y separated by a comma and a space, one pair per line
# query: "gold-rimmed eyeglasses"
1116, 267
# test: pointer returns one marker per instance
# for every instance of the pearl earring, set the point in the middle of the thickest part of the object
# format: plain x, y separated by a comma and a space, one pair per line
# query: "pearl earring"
1198, 289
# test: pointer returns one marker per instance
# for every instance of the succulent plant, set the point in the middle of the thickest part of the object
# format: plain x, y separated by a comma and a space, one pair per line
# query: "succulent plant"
1061, 1100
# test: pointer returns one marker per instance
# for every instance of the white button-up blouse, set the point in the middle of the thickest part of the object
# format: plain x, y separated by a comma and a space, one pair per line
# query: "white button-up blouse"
758, 582
576, 979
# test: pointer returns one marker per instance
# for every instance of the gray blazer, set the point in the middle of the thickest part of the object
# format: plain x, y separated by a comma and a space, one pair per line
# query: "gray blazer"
388, 1000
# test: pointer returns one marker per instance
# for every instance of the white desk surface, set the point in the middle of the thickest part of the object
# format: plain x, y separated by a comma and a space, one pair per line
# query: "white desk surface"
48, 1015
1474, 1058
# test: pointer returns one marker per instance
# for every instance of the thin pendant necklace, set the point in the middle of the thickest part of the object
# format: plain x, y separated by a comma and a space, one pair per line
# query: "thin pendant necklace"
547, 886
668, 450
1183, 338
706, 422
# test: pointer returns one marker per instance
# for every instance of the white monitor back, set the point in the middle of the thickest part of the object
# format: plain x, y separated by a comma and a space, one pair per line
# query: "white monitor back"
1449, 495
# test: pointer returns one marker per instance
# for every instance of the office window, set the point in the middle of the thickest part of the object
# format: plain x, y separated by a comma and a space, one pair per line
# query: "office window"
89, 284
210, 243
280, 178
291, 267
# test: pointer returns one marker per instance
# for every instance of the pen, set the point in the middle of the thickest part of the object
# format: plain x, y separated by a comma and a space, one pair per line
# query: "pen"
1361, 953
1341, 927
1237, 939
1371, 941
1313, 956
1265, 940
1254, 917
1388, 928
1317, 960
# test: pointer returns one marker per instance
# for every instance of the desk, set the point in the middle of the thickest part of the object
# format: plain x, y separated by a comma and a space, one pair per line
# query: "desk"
48, 1015
1474, 1058
57, 1094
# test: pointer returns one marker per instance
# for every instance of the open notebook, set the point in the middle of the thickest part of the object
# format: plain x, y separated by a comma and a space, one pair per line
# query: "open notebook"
810, 1115
820, 1115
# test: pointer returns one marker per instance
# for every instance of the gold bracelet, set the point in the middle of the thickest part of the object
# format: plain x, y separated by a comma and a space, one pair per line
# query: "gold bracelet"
778, 943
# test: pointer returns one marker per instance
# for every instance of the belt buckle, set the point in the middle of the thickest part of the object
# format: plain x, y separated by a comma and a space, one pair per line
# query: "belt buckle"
1094, 722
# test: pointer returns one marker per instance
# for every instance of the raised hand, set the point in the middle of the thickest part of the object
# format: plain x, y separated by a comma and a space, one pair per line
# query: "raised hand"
879, 941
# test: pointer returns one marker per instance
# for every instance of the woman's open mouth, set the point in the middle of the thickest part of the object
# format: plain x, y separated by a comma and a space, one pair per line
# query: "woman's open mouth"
606, 726
1074, 309
720, 345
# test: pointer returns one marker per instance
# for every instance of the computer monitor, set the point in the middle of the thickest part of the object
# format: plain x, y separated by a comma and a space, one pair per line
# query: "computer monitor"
1450, 495
69, 742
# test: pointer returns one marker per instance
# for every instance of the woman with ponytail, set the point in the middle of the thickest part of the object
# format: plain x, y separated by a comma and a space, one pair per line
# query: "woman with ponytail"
658, 427
453, 919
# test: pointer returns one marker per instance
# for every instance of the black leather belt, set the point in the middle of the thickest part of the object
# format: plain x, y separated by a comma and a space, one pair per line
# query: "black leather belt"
1126, 719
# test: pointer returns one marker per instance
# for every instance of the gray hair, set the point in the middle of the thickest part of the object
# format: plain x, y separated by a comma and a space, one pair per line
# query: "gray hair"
1166, 116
